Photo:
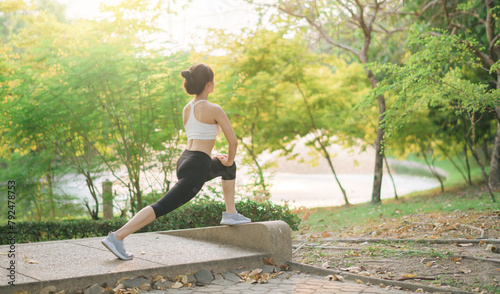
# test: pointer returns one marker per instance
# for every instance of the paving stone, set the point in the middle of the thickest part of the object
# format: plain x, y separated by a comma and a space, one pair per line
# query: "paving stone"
94, 289
203, 277
137, 282
162, 285
230, 276
268, 269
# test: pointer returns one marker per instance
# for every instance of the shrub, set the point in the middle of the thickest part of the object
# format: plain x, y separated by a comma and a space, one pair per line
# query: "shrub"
203, 213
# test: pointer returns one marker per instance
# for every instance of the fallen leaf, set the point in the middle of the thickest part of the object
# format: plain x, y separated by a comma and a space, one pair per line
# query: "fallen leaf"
135, 291
325, 264
159, 278
30, 261
255, 272
455, 258
409, 275
364, 273
177, 285
465, 271
284, 267
264, 278
326, 234
269, 261
359, 281
182, 278
482, 243
143, 252
119, 287
145, 286
465, 245
419, 290
121, 280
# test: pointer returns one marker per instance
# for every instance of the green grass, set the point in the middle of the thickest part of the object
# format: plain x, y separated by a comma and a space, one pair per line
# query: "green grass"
458, 196
458, 199
454, 176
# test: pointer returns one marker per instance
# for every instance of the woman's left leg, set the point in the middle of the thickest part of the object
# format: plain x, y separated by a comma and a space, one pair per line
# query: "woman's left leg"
228, 174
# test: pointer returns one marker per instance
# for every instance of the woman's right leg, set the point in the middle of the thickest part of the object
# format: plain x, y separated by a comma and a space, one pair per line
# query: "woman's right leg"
144, 217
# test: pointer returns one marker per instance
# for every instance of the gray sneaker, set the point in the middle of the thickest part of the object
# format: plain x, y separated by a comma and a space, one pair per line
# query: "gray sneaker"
234, 219
116, 247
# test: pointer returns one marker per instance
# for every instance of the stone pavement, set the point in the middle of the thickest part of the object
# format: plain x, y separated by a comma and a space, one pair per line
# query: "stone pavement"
290, 282
76, 265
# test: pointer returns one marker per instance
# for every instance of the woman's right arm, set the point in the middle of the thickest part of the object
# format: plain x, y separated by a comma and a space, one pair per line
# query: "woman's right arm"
228, 131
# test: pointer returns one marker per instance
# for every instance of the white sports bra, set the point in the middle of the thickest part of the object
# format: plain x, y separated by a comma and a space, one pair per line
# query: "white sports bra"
196, 129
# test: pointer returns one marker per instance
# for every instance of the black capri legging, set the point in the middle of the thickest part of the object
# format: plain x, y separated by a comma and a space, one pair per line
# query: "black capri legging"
194, 168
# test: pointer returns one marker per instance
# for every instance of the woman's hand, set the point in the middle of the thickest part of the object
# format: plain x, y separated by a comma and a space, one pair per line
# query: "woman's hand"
223, 159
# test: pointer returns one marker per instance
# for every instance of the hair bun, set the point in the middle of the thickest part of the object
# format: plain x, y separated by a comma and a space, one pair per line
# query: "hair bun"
186, 74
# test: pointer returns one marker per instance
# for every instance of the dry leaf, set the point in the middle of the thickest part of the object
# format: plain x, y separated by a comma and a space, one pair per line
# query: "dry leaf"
22, 292
465, 245
359, 281
465, 271
145, 286
420, 290
325, 264
177, 285
135, 291
326, 234
364, 273
455, 258
409, 276
159, 278
255, 272
119, 287
482, 243
30, 261
121, 280
491, 248
305, 261
264, 278
284, 267
143, 252
269, 261
181, 278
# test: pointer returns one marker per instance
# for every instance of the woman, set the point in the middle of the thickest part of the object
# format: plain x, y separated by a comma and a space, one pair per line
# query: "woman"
203, 121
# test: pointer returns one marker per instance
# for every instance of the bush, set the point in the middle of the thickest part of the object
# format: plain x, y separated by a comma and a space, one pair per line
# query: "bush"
192, 215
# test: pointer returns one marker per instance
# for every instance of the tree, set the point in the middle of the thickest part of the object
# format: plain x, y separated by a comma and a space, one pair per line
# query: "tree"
477, 20
433, 76
352, 26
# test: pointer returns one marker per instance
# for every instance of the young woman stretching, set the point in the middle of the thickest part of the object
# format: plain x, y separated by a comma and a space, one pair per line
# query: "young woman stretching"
203, 121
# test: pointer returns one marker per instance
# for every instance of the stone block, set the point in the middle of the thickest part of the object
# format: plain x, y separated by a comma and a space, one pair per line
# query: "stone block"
272, 237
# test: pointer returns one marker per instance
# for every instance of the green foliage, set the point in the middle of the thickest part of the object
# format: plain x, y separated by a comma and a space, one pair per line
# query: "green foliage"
193, 215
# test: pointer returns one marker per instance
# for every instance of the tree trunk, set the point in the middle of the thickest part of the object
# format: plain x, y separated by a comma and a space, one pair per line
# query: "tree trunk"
51, 196
390, 175
494, 179
379, 151
328, 158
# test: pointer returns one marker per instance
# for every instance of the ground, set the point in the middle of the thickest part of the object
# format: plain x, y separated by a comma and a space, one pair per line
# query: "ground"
415, 255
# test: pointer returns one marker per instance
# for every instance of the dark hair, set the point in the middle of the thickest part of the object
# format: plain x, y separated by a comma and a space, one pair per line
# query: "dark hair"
197, 77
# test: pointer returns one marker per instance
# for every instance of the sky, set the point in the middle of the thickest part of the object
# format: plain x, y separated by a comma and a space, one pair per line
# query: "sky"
188, 28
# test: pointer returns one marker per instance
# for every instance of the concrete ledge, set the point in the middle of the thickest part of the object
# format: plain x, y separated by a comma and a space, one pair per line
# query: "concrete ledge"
272, 237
